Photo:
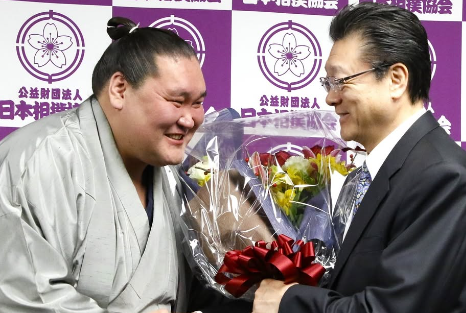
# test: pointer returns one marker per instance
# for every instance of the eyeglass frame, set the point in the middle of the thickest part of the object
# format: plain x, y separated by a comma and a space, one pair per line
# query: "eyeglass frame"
341, 81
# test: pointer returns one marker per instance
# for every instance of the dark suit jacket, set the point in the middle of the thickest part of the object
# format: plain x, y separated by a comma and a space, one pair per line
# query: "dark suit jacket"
405, 250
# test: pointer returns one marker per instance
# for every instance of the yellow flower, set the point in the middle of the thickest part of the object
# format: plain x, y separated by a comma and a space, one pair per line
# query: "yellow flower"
326, 165
340, 167
200, 172
204, 180
278, 178
284, 199
293, 180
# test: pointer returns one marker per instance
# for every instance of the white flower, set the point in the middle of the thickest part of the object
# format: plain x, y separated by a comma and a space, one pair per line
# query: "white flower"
50, 46
289, 55
298, 163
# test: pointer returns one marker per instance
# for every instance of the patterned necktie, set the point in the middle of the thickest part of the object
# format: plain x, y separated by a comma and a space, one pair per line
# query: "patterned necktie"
363, 184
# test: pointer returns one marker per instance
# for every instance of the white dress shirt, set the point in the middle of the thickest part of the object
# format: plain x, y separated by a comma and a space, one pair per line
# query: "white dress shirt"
377, 157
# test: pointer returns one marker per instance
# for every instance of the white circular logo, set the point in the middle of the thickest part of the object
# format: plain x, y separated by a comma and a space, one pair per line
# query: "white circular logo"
50, 46
289, 56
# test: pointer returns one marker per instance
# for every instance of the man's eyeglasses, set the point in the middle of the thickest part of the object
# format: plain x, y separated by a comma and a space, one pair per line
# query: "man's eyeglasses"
336, 84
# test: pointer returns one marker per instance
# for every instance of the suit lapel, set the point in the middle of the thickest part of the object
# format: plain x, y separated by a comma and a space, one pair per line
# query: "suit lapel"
376, 192
380, 187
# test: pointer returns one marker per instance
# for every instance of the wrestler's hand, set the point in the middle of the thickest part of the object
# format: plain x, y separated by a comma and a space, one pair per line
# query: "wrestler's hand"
268, 296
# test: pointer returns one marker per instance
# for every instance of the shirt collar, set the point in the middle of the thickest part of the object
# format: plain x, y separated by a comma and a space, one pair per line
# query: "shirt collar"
377, 157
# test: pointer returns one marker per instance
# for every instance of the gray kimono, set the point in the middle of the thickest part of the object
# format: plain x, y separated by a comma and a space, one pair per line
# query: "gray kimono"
74, 236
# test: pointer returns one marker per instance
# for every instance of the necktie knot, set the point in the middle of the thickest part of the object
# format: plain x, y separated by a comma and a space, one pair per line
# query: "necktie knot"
364, 182
365, 176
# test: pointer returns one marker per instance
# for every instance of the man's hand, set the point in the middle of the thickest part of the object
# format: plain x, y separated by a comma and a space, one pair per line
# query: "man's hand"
161, 311
268, 296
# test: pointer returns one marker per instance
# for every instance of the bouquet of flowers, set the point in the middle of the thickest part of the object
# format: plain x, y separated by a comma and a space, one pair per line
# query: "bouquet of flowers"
258, 198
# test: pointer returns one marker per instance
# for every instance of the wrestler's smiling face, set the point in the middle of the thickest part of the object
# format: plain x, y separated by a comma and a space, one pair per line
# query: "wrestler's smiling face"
163, 113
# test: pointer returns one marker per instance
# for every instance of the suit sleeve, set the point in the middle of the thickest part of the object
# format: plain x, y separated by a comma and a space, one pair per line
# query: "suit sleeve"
422, 267
208, 300
41, 210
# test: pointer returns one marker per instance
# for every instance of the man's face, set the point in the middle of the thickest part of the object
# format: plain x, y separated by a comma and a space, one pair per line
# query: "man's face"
363, 103
163, 114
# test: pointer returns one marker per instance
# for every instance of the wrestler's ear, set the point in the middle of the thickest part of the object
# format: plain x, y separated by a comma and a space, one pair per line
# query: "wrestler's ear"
117, 88
398, 74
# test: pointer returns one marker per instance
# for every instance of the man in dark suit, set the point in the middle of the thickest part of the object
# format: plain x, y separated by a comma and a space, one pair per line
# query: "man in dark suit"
405, 247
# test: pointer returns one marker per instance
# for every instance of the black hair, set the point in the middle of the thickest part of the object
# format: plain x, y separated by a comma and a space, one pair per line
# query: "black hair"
391, 35
133, 52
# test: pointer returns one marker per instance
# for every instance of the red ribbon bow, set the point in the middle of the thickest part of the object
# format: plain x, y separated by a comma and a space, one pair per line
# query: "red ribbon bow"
254, 263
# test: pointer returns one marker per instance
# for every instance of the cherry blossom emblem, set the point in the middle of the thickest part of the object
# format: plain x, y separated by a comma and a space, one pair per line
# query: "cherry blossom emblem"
50, 46
289, 56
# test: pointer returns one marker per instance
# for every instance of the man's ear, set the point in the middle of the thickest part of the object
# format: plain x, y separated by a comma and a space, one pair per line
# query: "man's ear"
117, 87
399, 75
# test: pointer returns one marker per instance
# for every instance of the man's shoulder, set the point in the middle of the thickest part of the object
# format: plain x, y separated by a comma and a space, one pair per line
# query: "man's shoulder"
440, 144
436, 154
51, 137
39, 129
427, 142
36, 132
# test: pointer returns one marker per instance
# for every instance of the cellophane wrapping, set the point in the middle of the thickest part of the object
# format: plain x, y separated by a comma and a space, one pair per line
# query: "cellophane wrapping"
249, 180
